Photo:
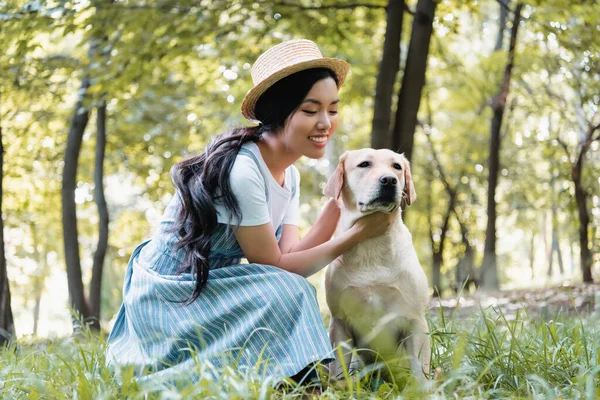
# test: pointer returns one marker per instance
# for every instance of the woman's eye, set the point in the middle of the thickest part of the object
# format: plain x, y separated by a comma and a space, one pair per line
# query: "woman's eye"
364, 164
397, 166
333, 112
309, 112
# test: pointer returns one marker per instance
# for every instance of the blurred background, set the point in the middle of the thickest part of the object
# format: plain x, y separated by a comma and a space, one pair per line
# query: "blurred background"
495, 102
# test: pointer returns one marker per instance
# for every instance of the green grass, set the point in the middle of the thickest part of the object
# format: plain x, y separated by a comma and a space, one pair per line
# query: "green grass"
486, 355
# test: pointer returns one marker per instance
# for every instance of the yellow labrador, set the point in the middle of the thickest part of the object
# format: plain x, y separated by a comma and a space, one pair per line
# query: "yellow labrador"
377, 292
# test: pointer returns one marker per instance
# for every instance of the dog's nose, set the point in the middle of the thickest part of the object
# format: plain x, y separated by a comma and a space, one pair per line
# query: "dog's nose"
388, 180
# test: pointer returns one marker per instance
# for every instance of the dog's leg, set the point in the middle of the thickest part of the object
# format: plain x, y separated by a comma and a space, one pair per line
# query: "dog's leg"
419, 348
340, 335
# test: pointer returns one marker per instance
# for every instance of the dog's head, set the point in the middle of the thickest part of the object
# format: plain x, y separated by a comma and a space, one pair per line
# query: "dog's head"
372, 180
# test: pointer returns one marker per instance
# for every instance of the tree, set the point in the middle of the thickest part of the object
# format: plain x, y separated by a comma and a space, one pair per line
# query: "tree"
489, 265
99, 255
409, 97
100, 83
577, 163
554, 247
438, 246
7, 326
569, 56
79, 121
399, 136
388, 69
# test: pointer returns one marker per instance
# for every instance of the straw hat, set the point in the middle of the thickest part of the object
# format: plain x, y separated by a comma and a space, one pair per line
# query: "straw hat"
283, 60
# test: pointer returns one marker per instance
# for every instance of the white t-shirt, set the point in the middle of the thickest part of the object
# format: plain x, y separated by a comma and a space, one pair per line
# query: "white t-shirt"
251, 182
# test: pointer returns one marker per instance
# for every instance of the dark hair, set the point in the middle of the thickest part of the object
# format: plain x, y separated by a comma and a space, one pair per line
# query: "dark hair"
203, 180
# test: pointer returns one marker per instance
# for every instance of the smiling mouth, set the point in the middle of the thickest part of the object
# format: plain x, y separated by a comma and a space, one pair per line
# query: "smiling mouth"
318, 139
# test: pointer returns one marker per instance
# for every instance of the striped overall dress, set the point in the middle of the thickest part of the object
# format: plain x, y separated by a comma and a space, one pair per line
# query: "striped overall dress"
246, 315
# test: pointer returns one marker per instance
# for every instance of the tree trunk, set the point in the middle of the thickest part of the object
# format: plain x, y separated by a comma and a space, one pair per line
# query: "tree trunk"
69, 184
584, 218
7, 325
72, 258
489, 265
436, 273
561, 265
429, 207
545, 233
465, 271
38, 291
571, 258
409, 97
555, 246
438, 253
36, 312
388, 69
502, 24
532, 255
96, 284
40, 278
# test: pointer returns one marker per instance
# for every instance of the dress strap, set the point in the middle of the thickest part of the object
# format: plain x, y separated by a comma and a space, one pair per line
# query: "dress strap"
248, 153
293, 182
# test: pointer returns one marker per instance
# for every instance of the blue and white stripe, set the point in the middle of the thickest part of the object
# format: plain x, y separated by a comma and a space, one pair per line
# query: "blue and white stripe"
246, 312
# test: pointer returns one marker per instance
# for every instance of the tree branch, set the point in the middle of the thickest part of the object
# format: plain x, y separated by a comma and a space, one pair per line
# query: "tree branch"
451, 190
171, 8
504, 4
564, 145
333, 6
594, 129
54, 57
443, 178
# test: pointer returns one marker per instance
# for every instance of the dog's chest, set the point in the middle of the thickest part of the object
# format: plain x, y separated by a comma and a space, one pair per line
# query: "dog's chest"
367, 305
376, 275
379, 297
380, 261
384, 275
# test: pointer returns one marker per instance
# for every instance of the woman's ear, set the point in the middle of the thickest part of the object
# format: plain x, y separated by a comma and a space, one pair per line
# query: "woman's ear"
409, 188
334, 185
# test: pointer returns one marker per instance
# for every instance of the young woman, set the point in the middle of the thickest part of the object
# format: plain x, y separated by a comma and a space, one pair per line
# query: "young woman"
186, 297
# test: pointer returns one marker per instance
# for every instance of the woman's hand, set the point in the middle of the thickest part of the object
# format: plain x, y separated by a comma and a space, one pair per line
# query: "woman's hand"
374, 224
333, 210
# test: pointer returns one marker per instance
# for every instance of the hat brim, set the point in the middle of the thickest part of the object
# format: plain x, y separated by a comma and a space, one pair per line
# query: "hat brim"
339, 67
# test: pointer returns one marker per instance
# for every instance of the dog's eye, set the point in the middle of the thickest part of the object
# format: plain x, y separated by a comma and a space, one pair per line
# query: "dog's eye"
397, 166
364, 164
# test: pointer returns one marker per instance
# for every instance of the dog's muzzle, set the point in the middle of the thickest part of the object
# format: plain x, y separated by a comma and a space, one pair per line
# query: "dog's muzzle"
386, 197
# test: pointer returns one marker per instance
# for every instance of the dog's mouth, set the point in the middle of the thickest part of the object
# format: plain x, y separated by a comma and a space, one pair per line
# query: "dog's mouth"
380, 203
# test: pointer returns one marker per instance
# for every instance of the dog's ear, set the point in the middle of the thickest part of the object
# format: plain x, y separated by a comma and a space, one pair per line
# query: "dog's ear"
334, 185
409, 187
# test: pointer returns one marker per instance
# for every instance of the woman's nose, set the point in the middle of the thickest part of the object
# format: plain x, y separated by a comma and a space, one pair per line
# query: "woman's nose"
324, 123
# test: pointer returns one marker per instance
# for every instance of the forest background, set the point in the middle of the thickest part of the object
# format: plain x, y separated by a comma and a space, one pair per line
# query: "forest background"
495, 103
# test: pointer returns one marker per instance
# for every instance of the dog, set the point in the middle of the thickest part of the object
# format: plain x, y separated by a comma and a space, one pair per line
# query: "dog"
377, 292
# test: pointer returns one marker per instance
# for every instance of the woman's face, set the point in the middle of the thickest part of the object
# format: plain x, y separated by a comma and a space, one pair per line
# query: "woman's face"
313, 124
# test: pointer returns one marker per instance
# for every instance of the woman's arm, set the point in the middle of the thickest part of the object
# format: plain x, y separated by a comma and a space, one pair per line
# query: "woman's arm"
323, 228
260, 245
321, 231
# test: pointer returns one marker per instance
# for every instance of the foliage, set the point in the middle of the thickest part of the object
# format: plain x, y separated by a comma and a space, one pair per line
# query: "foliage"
487, 355
175, 73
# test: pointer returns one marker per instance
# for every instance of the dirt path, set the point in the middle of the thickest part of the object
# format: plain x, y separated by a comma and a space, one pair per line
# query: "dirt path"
546, 302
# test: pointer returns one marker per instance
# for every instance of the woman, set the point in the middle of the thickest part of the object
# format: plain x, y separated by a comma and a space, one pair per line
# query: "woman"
186, 296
